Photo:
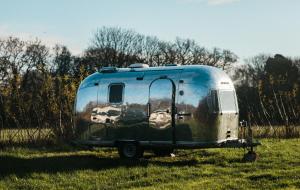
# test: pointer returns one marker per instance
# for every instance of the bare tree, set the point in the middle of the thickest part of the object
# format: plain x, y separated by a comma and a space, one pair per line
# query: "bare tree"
116, 46
183, 48
151, 54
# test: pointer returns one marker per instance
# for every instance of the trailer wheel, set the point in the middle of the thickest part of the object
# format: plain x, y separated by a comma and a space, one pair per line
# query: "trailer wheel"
162, 151
130, 150
251, 156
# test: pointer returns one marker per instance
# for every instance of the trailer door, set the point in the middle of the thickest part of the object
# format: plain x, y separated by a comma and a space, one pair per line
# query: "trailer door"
161, 111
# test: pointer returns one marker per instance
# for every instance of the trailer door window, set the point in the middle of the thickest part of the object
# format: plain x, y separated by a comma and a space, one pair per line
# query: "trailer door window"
227, 101
116, 93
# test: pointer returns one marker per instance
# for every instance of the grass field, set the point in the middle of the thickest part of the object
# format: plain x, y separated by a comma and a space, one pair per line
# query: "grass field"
67, 168
25, 136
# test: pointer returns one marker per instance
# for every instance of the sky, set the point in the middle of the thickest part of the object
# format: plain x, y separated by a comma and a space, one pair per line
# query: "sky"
246, 27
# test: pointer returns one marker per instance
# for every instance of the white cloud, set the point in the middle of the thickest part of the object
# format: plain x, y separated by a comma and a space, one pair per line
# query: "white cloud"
49, 40
210, 2
221, 2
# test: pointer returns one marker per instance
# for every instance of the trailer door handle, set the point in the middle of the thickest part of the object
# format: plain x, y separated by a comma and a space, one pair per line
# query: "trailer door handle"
148, 109
180, 117
184, 114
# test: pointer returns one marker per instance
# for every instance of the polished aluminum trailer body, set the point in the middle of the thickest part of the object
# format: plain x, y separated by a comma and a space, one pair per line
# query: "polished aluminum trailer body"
178, 106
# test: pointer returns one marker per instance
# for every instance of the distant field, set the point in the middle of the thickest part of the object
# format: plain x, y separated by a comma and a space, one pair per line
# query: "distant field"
275, 131
42, 136
68, 168
24, 136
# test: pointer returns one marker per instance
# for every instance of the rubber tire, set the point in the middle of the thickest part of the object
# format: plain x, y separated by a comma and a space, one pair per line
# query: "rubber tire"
163, 151
130, 150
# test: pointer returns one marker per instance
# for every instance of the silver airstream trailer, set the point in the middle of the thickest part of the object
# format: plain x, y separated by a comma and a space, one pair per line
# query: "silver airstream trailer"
157, 108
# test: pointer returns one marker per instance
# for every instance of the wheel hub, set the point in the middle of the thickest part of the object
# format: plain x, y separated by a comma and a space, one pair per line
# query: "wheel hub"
129, 150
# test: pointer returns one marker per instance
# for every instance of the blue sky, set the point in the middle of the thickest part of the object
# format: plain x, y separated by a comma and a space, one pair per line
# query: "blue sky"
247, 27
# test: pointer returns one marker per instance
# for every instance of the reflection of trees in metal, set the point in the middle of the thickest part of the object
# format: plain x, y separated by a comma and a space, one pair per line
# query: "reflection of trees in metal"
157, 103
108, 114
160, 119
160, 104
202, 113
133, 116
85, 113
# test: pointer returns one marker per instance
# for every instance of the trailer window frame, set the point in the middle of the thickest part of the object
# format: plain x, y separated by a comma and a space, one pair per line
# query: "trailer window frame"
122, 93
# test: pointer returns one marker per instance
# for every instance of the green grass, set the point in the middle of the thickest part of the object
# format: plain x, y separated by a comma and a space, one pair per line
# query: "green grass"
66, 168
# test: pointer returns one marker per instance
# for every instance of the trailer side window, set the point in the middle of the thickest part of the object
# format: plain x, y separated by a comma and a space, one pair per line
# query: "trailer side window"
116, 93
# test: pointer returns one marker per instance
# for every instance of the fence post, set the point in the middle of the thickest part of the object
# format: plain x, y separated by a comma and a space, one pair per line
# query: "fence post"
287, 129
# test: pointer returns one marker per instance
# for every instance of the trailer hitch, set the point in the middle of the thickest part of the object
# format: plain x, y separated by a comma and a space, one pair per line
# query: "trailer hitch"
249, 145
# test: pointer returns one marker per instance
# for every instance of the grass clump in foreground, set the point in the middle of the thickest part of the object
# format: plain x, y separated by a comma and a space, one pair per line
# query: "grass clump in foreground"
66, 168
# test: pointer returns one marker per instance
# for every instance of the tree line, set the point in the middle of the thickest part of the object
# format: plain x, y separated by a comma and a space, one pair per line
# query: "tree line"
268, 91
38, 84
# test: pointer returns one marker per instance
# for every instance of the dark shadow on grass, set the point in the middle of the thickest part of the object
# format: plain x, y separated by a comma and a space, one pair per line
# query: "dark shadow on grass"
57, 148
23, 166
68, 163
28, 144
263, 176
177, 163
202, 153
53, 164
212, 158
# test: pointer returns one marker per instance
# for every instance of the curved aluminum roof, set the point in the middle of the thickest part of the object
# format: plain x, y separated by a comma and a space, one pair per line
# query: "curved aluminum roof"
215, 75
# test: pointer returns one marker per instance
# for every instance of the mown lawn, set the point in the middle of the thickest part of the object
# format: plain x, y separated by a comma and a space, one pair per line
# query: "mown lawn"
67, 168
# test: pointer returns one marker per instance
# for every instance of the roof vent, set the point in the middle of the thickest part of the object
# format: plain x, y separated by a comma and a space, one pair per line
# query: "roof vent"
138, 65
108, 70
